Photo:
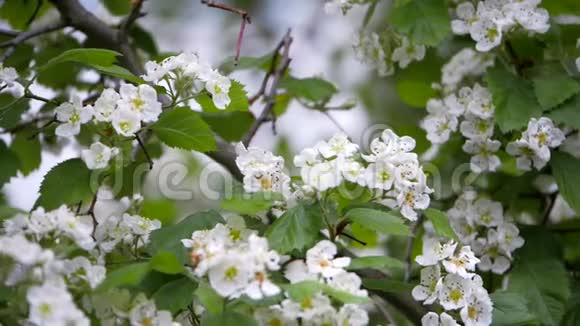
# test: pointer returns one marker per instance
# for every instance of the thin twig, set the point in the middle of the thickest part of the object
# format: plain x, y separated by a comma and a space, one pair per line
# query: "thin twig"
551, 201
245, 20
23, 36
353, 238
409, 248
128, 22
142, 145
30, 95
91, 213
270, 97
331, 118
271, 70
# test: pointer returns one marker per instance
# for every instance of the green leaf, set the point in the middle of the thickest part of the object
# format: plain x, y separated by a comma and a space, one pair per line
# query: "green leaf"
118, 72
228, 318
343, 296
88, 56
441, 223
540, 277
565, 170
553, 85
19, 12
212, 301
413, 84
125, 276
183, 128
28, 152
567, 113
176, 295
376, 262
513, 97
388, 286
423, 21
571, 7
166, 262
231, 126
60, 75
11, 110
303, 290
572, 316
312, 89
118, 7
249, 204
163, 210
378, 220
72, 177
238, 97
169, 238
511, 309
144, 40
9, 163
298, 228
128, 180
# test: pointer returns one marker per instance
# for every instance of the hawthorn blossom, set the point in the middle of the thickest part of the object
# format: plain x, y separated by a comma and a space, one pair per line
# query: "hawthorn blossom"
455, 290
126, 122
320, 259
72, 115
461, 262
429, 285
408, 52
434, 251
142, 100
53, 305
432, 319
483, 158
106, 104
98, 155
478, 309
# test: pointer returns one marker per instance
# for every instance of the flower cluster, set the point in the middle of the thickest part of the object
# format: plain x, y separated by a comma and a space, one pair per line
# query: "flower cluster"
447, 278
533, 148
262, 170
235, 260
129, 229
185, 75
475, 106
491, 19
391, 169
480, 223
382, 55
9, 81
465, 63
320, 265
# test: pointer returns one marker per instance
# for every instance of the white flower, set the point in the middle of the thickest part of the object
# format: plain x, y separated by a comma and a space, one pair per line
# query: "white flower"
308, 157
273, 315
140, 99
379, 175
352, 315
368, 49
52, 305
465, 63
146, 313
323, 176
413, 198
461, 262
476, 128
230, 276
105, 105
297, 271
466, 14
454, 292
309, 308
140, 226
481, 102
261, 287
508, 237
21, 250
154, 71
486, 212
320, 259
408, 52
487, 33
526, 157
478, 309
348, 282
81, 268
337, 146
484, 158
8, 75
352, 171
543, 135
492, 256
98, 155
77, 228
439, 127
219, 87
126, 122
72, 115
266, 181
533, 19
428, 288
432, 319
433, 252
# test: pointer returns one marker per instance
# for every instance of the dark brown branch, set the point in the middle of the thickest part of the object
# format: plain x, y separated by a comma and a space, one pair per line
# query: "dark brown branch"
131, 18
29, 123
409, 248
270, 97
144, 149
245, 20
91, 213
30, 95
24, 36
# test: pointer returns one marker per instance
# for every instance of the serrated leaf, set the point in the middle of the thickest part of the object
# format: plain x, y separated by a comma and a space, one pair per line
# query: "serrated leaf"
552, 84
212, 301
423, 21
540, 277
183, 128
118, 72
249, 204
231, 126
88, 56
378, 220
11, 110
567, 113
376, 262
303, 290
565, 171
28, 151
312, 89
18, 12
169, 238
166, 262
9, 163
298, 228
511, 309
228, 318
238, 98
67, 183
125, 276
513, 97
176, 295
440, 223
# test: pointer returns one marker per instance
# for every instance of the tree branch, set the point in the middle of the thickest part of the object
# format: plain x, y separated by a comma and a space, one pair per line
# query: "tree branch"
409, 249
24, 36
270, 97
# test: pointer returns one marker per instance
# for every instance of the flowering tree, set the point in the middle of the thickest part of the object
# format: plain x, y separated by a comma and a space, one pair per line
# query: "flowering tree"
499, 80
